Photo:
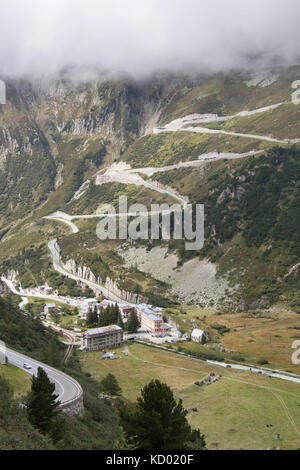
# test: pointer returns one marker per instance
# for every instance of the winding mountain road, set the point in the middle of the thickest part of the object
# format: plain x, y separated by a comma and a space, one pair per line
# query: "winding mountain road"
25, 296
187, 124
206, 130
64, 220
55, 255
122, 173
204, 158
67, 388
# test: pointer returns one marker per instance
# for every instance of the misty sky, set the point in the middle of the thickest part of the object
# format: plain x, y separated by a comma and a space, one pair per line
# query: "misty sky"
140, 36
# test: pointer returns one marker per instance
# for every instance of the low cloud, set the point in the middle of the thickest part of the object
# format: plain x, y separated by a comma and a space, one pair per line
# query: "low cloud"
140, 36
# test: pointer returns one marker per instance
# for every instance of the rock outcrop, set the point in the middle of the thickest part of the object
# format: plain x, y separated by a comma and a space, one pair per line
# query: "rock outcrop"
12, 275
85, 272
212, 378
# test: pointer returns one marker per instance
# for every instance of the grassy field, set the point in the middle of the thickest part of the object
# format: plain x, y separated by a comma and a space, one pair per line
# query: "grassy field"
261, 336
18, 379
234, 413
266, 336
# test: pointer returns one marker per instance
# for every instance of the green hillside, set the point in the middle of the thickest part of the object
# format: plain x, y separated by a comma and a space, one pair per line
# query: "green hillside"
97, 428
251, 204
251, 220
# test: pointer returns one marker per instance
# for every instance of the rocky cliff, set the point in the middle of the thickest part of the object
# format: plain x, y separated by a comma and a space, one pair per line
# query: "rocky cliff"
85, 272
54, 130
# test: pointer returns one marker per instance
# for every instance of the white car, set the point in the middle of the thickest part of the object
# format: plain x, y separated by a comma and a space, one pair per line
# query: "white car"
26, 365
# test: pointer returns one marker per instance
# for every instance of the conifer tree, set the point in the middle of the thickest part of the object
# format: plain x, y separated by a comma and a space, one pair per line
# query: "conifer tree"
158, 422
110, 385
42, 405
120, 322
133, 323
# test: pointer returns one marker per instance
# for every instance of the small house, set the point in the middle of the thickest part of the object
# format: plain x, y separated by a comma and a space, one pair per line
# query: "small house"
199, 336
49, 308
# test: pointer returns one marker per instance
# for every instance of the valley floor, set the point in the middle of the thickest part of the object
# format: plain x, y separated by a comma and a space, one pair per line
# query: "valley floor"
241, 411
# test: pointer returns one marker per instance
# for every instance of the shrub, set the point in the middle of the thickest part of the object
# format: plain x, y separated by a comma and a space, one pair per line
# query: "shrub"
262, 362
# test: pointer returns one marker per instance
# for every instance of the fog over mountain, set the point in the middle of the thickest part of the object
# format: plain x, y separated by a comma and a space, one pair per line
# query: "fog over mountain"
141, 36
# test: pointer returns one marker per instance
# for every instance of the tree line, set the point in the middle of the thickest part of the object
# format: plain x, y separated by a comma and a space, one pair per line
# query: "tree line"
112, 316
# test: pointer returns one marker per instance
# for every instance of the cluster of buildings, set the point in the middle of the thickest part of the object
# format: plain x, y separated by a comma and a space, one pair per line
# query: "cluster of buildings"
152, 324
107, 337
150, 317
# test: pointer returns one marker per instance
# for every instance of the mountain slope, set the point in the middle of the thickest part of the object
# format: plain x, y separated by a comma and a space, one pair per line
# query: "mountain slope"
59, 133
251, 221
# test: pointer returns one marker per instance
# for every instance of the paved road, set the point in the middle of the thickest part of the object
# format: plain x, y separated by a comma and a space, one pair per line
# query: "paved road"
118, 173
206, 130
210, 117
149, 171
68, 222
25, 296
66, 387
181, 199
52, 245
182, 124
259, 370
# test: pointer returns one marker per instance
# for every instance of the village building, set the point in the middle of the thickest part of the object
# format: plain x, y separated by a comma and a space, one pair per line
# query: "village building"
106, 303
149, 309
102, 338
46, 290
126, 311
49, 308
199, 336
175, 332
151, 322
92, 303
149, 317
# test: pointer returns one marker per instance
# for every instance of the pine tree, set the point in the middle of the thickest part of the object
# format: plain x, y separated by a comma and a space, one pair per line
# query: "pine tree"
133, 323
158, 422
92, 318
95, 316
109, 316
42, 405
110, 385
103, 318
120, 322
115, 315
100, 316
